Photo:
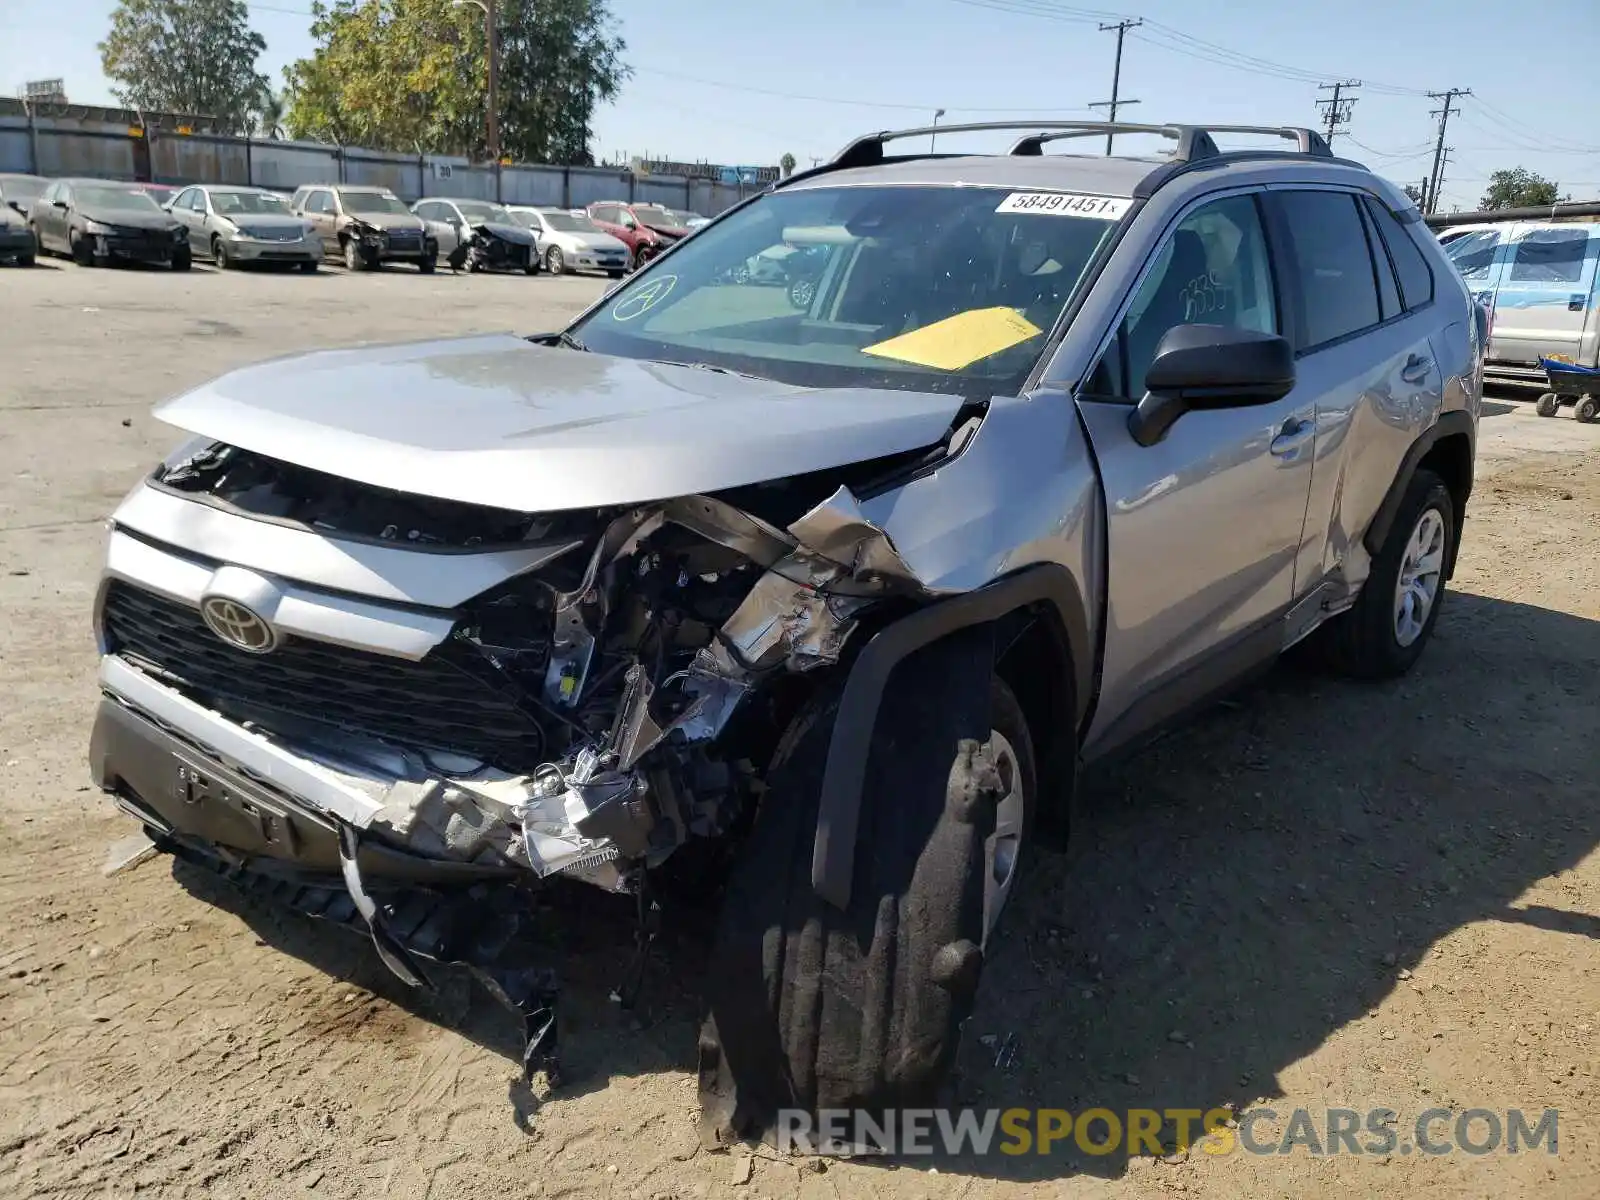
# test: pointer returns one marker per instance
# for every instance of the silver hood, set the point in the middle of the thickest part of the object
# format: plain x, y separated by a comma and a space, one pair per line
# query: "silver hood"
499, 421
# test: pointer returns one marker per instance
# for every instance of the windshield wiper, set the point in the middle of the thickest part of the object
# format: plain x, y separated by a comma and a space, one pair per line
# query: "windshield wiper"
571, 343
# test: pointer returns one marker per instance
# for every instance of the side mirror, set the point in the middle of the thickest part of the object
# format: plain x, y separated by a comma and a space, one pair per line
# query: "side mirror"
1208, 367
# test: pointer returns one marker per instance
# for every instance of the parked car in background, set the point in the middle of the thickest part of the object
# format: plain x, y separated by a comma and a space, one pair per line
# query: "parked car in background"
97, 221
659, 219
232, 225
1538, 281
17, 243
161, 193
365, 227
479, 235
618, 220
693, 220
570, 241
18, 192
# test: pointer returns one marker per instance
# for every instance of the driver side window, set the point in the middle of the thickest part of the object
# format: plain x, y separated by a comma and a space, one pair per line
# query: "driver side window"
1213, 270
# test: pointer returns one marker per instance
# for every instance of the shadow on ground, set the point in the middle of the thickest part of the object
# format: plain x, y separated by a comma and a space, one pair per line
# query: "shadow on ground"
1250, 884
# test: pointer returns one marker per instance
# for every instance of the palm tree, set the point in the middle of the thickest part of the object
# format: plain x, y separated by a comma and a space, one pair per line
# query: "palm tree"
786, 164
268, 113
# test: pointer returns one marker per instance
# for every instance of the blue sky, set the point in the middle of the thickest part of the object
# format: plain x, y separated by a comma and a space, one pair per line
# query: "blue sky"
743, 82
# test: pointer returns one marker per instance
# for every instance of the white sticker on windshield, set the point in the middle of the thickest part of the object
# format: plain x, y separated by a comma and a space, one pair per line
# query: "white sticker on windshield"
1066, 204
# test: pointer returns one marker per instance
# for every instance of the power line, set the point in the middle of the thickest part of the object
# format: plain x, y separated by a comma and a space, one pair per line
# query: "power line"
1337, 109
1440, 154
1121, 27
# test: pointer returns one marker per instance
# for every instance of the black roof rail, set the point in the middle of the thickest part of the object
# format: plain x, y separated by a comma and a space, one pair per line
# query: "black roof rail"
1194, 141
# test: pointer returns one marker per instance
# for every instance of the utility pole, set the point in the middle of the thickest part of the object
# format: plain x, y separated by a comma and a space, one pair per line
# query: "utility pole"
1339, 106
1444, 112
1116, 101
493, 49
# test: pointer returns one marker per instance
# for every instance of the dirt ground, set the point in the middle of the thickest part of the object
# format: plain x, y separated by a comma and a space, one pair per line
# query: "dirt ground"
1318, 895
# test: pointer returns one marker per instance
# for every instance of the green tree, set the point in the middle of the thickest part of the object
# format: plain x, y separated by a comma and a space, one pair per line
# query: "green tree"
786, 164
1414, 193
411, 75
1518, 188
186, 56
267, 118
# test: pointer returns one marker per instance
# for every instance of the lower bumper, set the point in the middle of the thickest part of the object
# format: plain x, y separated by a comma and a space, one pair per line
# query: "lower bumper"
275, 251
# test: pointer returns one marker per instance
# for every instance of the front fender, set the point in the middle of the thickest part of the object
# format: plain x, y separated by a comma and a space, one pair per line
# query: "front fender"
839, 809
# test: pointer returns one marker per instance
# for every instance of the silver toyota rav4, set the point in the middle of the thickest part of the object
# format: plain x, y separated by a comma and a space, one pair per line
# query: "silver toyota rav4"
811, 603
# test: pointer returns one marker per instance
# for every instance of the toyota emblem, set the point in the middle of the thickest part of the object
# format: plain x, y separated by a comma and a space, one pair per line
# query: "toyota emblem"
237, 625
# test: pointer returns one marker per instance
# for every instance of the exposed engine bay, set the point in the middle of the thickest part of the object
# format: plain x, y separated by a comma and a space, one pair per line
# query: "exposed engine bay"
629, 656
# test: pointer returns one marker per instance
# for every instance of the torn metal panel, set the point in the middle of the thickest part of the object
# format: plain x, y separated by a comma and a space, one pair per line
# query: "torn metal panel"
783, 622
722, 523
838, 531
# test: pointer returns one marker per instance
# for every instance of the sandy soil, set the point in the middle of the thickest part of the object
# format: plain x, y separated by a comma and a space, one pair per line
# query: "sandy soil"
1318, 895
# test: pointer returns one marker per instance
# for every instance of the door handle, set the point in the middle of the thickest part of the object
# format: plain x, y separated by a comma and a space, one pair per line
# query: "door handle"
1416, 368
1292, 438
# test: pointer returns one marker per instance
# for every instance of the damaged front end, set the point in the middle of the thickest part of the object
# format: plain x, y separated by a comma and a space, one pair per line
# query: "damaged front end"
609, 702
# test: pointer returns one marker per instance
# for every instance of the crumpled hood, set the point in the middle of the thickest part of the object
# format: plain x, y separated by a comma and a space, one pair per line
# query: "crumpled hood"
515, 234
124, 218
388, 222
499, 421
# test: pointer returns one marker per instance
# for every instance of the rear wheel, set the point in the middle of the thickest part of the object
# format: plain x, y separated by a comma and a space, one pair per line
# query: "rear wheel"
1384, 634
1588, 409
1547, 404
554, 261
816, 1008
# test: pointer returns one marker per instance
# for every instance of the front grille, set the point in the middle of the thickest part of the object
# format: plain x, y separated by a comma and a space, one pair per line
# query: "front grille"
439, 703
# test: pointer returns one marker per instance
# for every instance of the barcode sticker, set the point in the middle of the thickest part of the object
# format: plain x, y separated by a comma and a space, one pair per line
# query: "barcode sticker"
1066, 204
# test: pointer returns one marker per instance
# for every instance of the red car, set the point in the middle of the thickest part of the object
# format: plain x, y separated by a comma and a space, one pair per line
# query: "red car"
648, 229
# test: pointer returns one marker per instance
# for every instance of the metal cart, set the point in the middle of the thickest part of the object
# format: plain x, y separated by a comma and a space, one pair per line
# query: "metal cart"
1570, 384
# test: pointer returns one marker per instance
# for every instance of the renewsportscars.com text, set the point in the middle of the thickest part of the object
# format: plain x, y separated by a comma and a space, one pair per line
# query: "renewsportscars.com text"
1157, 1131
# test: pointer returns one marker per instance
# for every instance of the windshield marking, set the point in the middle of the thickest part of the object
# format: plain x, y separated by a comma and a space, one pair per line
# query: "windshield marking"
1066, 204
646, 298
959, 341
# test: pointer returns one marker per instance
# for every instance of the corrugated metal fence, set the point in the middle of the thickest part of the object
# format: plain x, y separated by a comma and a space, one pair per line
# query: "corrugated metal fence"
57, 146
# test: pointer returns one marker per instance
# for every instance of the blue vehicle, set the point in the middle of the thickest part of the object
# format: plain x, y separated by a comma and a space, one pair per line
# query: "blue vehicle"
1537, 279
1570, 384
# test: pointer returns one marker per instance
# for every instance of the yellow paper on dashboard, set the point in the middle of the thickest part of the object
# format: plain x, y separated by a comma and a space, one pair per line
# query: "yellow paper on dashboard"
958, 341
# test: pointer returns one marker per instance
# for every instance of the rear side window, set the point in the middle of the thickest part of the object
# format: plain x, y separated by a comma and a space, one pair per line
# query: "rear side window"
1335, 267
1416, 277
1549, 256
1388, 290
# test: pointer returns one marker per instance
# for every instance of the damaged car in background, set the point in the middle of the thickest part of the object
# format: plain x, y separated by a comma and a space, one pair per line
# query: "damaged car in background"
814, 606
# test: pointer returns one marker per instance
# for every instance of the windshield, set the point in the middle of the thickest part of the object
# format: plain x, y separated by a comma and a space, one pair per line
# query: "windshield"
652, 214
930, 288
255, 203
568, 223
21, 187
372, 202
118, 198
478, 210
1473, 253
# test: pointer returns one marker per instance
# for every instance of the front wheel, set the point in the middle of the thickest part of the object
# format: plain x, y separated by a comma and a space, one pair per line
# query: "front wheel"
353, 258
1588, 409
554, 261
183, 259
310, 266
1383, 635
428, 265
1547, 404
82, 252
615, 274
816, 1008
219, 254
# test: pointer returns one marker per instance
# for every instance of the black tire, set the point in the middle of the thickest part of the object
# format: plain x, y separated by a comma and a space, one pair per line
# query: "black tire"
554, 261
811, 1007
82, 252
219, 254
1588, 408
310, 266
428, 265
26, 260
615, 274
354, 260
182, 260
1547, 404
1363, 642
